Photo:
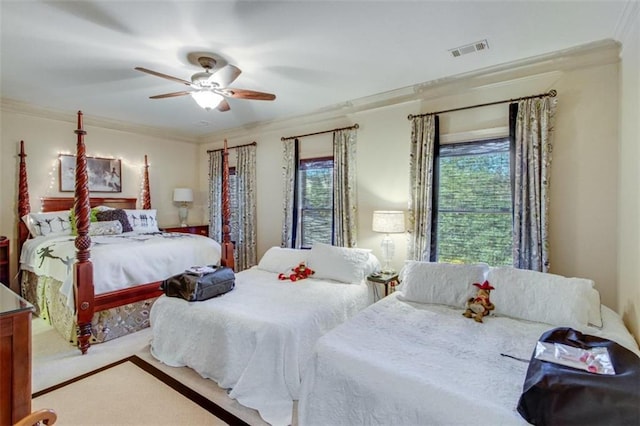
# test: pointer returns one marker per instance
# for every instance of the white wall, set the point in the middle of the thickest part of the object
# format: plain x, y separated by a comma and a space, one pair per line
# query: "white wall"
629, 175
171, 165
584, 208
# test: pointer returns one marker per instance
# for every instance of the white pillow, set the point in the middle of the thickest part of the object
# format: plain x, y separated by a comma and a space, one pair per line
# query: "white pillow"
142, 220
441, 283
347, 265
50, 223
282, 260
111, 227
541, 297
595, 310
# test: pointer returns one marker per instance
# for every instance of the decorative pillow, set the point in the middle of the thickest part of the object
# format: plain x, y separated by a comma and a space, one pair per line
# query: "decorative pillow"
541, 297
115, 214
50, 223
72, 218
342, 264
111, 227
441, 283
279, 260
143, 220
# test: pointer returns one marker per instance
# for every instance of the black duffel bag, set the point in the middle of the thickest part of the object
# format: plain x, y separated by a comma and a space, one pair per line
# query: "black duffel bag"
555, 394
196, 287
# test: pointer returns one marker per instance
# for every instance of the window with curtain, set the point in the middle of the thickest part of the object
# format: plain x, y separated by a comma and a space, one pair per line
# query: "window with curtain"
316, 201
473, 203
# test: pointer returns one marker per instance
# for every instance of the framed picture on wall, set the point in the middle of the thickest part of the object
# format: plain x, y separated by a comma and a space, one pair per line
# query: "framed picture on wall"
105, 174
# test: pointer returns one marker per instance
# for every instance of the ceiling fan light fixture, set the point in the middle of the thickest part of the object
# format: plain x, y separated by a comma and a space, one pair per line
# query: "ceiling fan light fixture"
207, 99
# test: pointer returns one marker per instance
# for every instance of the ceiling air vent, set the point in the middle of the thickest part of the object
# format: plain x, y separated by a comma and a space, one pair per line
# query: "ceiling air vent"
469, 48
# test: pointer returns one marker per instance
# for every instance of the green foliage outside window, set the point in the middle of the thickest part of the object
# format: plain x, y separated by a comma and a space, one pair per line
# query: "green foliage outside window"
316, 200
474, 215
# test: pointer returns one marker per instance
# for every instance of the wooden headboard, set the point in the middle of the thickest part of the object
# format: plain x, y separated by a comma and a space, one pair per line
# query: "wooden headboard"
54, 204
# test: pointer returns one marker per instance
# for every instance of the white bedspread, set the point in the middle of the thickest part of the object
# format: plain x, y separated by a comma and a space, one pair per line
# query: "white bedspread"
399, 363
119, 261
256, 339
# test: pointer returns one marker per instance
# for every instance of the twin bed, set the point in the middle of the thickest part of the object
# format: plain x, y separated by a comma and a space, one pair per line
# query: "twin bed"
257, 339
413, 358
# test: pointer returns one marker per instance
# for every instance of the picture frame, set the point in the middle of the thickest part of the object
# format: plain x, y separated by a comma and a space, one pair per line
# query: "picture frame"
105, 174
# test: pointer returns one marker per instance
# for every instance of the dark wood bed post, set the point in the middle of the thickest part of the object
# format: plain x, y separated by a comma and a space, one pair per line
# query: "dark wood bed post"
24, 206
146, 194
83, 268
227, 245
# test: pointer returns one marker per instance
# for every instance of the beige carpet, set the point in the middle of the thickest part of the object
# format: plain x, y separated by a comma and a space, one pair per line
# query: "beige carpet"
130, 392
55, 361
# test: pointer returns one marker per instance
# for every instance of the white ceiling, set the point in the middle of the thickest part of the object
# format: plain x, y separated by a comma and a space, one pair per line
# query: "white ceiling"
314, 55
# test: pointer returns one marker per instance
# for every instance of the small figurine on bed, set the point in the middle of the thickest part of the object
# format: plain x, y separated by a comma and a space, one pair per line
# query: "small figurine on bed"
480, 306
300, 272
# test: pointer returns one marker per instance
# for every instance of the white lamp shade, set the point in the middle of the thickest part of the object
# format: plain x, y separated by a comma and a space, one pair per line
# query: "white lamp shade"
207, 99
388, 221
183, 195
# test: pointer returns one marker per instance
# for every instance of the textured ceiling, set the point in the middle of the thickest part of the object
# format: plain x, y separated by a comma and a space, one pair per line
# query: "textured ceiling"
314, 55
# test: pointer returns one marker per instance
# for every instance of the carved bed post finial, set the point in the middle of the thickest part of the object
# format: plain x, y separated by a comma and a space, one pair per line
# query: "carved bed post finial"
146, 194
227, 245
83, 268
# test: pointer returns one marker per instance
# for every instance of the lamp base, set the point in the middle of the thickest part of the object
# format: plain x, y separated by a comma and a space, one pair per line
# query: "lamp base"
183, 213
388, 250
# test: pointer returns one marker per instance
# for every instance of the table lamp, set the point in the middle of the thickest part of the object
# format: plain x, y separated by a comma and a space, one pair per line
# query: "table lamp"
183, 196
388, 222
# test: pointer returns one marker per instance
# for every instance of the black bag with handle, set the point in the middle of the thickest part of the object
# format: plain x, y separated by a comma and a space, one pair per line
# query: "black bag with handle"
555, 394
194, 287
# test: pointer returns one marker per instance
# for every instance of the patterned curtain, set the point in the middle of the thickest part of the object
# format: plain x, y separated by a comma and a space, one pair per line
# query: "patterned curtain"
215, 195
344, 188
245, 252
290, 192
533, 130
424, 133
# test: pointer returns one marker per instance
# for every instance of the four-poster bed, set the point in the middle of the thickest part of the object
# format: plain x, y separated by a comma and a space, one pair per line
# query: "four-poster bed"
87, 303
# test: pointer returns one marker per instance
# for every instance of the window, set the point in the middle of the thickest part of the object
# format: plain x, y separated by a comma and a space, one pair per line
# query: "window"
315, 220
473, 205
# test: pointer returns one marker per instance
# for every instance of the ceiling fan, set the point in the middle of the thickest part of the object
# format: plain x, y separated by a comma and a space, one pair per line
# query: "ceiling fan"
211, 88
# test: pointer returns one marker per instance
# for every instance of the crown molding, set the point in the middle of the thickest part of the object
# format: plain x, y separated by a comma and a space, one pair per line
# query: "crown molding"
25, 108
587, 55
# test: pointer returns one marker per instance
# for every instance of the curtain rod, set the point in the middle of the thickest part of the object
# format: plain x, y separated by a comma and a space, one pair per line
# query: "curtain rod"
355, 126
232, 147
552, 93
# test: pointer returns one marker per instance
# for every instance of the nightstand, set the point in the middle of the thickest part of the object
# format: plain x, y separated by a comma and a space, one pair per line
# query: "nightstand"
189, 229
390, 281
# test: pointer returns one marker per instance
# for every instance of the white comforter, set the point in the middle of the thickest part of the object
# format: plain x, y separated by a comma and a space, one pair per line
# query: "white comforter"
119, 261
256, 339
399, 363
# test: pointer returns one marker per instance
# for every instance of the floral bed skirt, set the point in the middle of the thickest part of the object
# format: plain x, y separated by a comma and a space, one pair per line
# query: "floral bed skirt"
50, 305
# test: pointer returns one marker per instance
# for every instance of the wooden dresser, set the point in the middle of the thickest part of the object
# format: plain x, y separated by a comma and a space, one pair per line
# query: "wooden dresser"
15, 357
4, 262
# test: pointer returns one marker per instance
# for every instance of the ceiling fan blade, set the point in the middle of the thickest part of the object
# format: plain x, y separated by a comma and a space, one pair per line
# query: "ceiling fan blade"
225, 75
223, 106
170, 95
168, 77
250, 94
